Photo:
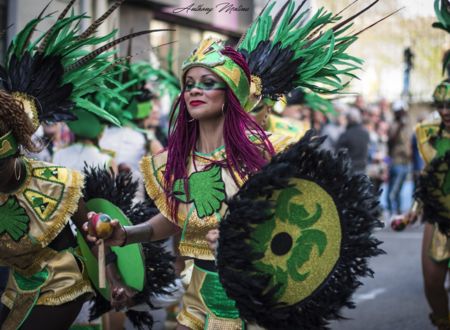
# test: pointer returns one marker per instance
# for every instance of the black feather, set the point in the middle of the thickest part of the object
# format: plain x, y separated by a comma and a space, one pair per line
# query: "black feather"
121, 190
252, 205
109, 45
430, 193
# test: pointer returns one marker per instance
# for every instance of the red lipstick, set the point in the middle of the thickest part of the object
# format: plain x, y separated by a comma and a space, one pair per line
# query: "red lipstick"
196, 103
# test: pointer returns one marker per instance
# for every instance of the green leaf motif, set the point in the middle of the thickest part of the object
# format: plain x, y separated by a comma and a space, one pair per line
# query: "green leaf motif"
48, 173
302, 217
302, 252
442, 145
288, 266
13, 219
206, 190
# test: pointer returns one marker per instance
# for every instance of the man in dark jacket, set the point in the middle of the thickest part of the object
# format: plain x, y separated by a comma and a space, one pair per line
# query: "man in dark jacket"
356, 140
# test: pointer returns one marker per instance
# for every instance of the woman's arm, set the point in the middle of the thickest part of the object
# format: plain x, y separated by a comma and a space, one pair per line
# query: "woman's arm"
121, 294
155, 229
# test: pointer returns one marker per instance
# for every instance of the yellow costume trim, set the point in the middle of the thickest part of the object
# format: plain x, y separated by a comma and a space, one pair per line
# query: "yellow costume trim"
29, 105
66, 295
186, 319
187, 249
7, 301
281, 142
155, 191
68, 207
424, 132
5, 147
256, 85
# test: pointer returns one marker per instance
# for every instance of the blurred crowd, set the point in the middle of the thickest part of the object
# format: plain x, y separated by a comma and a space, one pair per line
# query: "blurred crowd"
379, 137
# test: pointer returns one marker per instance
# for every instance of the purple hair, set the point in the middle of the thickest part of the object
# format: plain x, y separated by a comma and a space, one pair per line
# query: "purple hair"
244, 154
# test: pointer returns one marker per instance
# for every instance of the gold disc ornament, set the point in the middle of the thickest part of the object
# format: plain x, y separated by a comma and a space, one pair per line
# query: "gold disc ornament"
297, 237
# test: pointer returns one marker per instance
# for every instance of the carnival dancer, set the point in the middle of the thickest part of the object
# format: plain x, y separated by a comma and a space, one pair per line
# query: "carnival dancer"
432, 204
431, 194
215, 145
41, 81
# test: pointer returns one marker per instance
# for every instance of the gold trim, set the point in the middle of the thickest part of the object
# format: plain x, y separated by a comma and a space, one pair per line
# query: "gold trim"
257, 83
29, 105
5, 147
420, 145
186, 319
155, 191
66, 295
195, 251
66, 209
7, 301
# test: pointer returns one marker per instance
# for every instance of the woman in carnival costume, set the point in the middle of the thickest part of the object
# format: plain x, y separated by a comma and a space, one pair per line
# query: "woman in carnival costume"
432, 201
42, 81
432, 204
431, 194
215, 146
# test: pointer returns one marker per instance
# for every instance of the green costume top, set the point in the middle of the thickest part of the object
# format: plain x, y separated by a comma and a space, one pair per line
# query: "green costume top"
209, 185
32, 216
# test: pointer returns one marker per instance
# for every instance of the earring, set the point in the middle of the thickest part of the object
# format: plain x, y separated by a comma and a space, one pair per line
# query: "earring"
191, 120
17, 172
223, 112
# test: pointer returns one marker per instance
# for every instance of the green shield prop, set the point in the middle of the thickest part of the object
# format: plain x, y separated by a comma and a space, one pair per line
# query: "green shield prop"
296, 238
130, 261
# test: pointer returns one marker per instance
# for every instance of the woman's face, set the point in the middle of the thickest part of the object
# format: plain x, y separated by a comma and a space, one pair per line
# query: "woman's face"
444, 112
204, 93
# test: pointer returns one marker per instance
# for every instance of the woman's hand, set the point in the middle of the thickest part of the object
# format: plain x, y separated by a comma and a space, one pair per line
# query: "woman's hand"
401, 221
212, 238
121, 294
117, 238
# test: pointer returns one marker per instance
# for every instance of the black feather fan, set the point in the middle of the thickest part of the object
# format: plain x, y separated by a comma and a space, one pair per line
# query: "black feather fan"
252, 222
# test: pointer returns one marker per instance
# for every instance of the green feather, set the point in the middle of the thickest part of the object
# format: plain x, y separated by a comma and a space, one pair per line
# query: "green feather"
13, 219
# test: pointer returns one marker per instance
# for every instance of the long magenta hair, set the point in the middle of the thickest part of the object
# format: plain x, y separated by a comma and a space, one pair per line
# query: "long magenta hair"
243, 155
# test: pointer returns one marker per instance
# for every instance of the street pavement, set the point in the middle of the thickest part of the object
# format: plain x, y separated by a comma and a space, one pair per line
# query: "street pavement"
394, 298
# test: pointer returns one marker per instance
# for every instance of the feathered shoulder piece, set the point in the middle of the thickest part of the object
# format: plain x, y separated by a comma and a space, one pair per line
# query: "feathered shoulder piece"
289, 50
51, 74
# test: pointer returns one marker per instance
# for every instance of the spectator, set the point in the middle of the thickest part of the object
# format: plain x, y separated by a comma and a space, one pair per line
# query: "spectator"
376, 168
356, 140
399, 150
335, 127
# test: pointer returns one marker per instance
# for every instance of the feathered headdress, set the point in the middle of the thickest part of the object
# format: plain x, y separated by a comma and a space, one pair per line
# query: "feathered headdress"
286, 51
54, 72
